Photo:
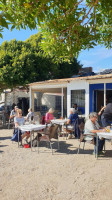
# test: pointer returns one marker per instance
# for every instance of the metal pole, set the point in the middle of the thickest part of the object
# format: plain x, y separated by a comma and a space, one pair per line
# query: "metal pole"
18, 136
97, 146
31, 139
30, 95
62, 102
104, 94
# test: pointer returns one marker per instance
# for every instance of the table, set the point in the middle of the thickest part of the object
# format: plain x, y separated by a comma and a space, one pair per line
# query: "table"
82, 116
105, 135
61, 123
30, 128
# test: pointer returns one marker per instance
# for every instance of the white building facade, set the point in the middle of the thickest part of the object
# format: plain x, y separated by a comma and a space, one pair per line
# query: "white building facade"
88, 92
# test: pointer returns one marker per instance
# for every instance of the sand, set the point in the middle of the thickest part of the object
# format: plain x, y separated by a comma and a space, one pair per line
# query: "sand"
65, 175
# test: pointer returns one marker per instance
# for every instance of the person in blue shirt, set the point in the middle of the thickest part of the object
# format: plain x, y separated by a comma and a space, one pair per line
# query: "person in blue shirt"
72, 117
71, 122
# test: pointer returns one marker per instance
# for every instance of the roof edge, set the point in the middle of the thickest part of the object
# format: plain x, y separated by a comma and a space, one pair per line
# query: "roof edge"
65, 80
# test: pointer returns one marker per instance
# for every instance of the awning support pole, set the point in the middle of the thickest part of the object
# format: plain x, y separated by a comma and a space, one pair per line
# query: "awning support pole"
104, 94
30, 98
62, 102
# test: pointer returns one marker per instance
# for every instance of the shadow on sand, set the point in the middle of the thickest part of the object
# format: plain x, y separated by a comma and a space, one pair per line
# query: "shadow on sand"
64, 148
3, 146
5, 138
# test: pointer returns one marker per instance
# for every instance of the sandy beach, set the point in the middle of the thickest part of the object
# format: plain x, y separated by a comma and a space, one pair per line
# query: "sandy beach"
65, 175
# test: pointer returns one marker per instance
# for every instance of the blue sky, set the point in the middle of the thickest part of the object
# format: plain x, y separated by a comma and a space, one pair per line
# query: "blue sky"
99, 58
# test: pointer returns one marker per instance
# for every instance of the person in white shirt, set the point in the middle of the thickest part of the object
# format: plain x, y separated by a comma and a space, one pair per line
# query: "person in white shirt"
13, 112
91, 128
19, 121
30, 115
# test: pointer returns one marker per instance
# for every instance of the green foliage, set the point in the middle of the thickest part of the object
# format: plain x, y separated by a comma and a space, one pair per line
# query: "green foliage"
25, 62
68, 26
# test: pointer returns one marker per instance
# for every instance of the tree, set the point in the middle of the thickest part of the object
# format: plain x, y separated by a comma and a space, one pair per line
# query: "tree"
67, 70
24, 62
68, 26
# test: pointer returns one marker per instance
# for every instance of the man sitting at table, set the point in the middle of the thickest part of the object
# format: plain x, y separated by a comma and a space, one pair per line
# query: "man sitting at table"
14, 112
91, 128
70, 122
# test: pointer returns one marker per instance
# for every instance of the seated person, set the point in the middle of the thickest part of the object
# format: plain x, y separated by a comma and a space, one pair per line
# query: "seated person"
91, 128
19, 120
76, 108
71, 119
106, 117
30, 115
49, 116
13, 112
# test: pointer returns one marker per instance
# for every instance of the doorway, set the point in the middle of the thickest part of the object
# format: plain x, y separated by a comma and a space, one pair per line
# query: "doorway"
100, 98
23, 103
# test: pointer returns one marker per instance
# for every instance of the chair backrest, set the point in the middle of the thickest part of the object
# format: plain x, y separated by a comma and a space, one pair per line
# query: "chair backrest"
43, 119
53, 131
32, 118
81, 127
78, 127
36, 119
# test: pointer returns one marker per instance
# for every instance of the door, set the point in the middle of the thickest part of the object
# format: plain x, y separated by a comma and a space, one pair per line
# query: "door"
100, 100
23, 103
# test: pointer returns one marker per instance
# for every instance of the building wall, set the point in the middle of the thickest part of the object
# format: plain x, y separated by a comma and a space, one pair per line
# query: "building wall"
38, 99
78, 85
2, 97
48, 100
87, 85
12, 97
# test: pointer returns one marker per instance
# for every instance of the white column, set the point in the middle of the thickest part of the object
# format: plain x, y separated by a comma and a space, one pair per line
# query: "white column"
68, 100
62, 102
104, 94
87, 101
30, 97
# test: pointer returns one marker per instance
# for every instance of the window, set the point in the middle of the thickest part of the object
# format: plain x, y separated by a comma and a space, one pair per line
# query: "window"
58, 103
37, 100
78, 97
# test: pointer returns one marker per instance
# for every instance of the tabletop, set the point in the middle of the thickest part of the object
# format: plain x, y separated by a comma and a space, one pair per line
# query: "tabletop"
31, 127
59, 121
105, 135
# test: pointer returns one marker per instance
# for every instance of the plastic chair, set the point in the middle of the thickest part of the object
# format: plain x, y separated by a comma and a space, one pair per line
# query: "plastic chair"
63, 131
36, 119
51, 132
11, 123
86, 138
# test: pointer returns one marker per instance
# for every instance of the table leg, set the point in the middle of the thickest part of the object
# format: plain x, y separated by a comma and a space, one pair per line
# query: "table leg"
18, 137
31, 139
97, 146
37, 142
